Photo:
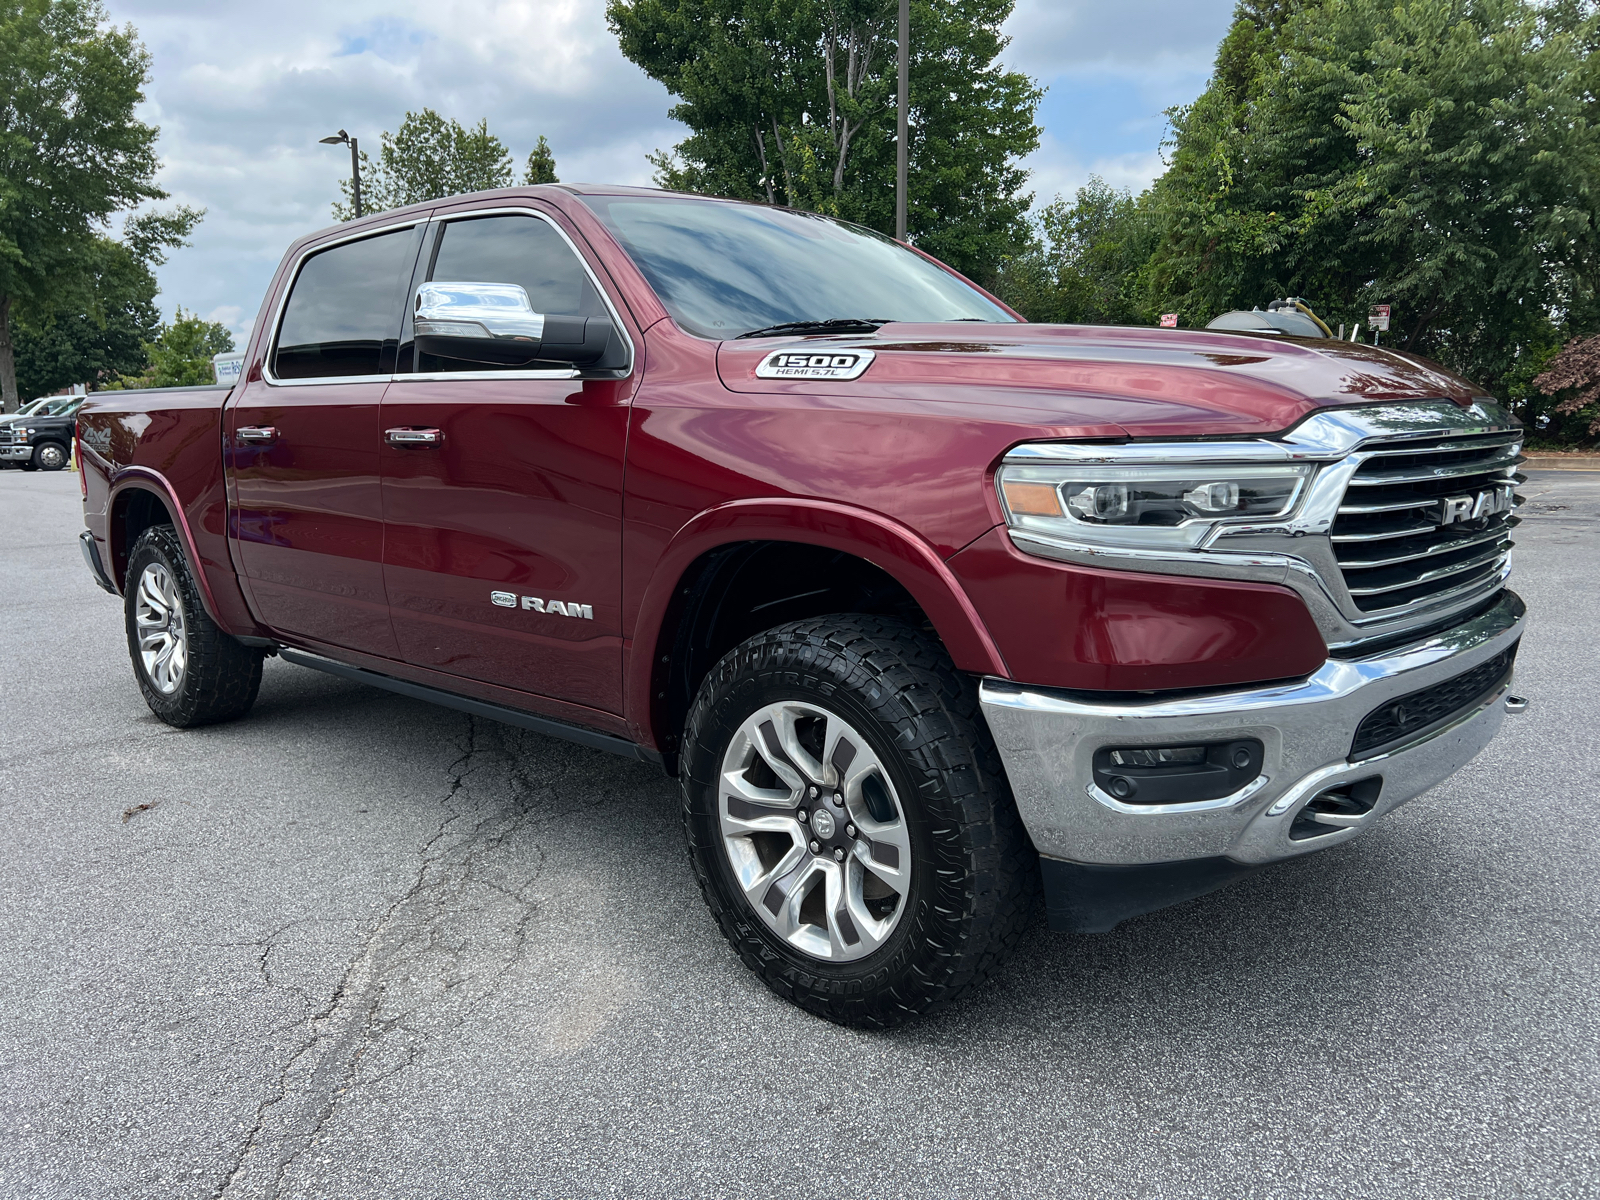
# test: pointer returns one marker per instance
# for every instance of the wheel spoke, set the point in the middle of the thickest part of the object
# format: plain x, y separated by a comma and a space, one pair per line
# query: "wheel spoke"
163, 647
767, 890
153, 602
852, 888
813, 770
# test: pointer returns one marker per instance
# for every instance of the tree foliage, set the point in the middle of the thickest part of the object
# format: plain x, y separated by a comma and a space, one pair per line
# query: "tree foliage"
1086, 261
1573, 377
71, 154
794, 103
431, 158
93, 332
180, 353
1439, 156
541, 166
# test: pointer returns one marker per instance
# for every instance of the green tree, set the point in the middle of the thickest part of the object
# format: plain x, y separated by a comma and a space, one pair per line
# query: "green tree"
541, 165
793, 103
1436, 155
1086, 262
71, 154
91, 333
431, 158
180, 353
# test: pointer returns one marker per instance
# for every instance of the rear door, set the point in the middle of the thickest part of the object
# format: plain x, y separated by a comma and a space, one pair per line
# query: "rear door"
502, 488
303, 444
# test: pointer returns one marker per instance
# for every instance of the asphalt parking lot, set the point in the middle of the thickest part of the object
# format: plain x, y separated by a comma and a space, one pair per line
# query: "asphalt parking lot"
357, 946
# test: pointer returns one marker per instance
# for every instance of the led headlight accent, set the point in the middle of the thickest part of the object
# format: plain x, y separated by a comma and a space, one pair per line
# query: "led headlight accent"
1159, 505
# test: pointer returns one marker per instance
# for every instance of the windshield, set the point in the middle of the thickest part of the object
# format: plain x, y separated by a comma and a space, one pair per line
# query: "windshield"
723, 268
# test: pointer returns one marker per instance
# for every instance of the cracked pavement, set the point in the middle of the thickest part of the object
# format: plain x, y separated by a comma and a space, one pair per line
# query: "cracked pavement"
360, 946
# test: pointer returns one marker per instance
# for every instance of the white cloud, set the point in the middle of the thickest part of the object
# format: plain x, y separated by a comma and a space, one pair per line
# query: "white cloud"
242, 91
1058, 173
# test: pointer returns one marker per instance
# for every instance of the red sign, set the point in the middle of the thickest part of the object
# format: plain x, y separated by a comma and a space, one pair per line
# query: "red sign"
1378, 317
1169, 320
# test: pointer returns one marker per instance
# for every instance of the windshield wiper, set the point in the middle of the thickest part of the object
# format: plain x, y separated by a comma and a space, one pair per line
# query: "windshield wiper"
835, 325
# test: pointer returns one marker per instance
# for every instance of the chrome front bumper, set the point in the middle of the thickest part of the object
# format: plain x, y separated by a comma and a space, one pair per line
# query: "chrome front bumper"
15, 453
1048, 740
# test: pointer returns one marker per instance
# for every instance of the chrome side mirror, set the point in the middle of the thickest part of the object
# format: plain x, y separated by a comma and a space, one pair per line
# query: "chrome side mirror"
477, 310
495, 323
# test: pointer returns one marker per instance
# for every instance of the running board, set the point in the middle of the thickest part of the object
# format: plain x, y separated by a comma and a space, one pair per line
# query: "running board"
592, 738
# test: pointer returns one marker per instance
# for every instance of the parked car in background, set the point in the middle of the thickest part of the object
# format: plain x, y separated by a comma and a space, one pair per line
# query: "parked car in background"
923, 605
41, 439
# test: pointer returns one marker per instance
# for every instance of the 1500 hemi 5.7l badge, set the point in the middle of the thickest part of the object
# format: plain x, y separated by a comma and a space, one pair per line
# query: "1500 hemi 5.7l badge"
809, 364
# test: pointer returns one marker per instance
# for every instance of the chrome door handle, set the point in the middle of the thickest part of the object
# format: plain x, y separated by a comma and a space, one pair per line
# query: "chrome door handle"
258, 435
414, 437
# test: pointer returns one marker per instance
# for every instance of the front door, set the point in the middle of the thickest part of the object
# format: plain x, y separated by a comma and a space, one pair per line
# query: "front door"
502, 488
303, 443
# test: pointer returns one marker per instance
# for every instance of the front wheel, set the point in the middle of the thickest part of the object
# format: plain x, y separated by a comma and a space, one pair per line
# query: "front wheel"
190, 671
849, 820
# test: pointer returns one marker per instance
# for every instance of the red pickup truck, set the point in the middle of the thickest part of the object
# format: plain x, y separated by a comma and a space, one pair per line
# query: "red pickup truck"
927, 608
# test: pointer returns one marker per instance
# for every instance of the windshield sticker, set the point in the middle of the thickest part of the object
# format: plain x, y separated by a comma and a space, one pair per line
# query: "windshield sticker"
793, 364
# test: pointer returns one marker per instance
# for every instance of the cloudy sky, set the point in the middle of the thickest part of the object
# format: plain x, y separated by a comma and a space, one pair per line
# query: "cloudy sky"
243, 90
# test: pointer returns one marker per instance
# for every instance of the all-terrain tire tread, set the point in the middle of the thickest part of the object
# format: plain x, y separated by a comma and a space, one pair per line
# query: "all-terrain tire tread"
222, 676
987, 869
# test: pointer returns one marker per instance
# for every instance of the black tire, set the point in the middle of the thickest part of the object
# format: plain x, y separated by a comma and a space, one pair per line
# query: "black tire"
50, 456
974, 877
221, 677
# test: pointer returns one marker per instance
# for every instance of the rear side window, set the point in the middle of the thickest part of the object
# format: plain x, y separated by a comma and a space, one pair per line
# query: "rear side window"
343, 316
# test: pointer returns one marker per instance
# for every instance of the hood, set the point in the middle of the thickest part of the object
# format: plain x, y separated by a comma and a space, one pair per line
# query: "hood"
1098, 380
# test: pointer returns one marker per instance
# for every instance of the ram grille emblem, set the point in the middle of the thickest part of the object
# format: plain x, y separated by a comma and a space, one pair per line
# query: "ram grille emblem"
1455, 509
559, 608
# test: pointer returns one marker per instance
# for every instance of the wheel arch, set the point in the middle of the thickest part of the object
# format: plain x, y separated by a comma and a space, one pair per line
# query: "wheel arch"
139, 500
757, 550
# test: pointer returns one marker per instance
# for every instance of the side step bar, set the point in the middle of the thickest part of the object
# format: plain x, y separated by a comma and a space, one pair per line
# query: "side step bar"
592, 738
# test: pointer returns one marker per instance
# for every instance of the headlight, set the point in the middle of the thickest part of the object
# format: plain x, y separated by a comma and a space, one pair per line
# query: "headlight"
1169, 506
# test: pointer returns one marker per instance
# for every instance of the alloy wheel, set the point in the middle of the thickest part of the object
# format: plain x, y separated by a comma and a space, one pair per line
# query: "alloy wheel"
814, 831
158, 617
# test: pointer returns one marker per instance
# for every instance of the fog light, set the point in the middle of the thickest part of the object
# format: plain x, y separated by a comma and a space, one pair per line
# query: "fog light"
1157, 756
1177, 774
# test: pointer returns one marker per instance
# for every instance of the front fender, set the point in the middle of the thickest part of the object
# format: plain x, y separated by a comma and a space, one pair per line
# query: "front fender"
886, 544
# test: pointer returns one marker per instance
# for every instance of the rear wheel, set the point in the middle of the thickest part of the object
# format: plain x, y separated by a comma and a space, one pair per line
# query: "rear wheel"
190, 671
49, 456
849, 821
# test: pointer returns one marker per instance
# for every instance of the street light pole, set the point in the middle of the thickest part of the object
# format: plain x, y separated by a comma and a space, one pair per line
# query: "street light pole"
355, 165
901, 124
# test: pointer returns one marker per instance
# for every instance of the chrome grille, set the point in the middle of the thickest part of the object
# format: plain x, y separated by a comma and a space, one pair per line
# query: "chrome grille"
1393, 550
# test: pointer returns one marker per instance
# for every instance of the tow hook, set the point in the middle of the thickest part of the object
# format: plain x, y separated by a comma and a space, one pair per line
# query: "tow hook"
1516, 704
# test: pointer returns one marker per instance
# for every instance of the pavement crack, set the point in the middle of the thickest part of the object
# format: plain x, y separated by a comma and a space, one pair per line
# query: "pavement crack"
443, 945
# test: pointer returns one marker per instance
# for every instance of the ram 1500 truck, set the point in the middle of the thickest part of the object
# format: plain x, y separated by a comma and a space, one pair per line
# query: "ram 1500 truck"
926, 607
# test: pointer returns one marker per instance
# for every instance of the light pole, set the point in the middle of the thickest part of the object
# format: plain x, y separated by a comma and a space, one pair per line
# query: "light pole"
901, 124
355, 163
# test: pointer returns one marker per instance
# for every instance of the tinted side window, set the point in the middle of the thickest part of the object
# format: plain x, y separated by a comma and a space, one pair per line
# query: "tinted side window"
512, 249
343, 316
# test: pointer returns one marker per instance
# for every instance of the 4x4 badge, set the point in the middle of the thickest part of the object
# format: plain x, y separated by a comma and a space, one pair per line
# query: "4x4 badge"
560, 608
808, 364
